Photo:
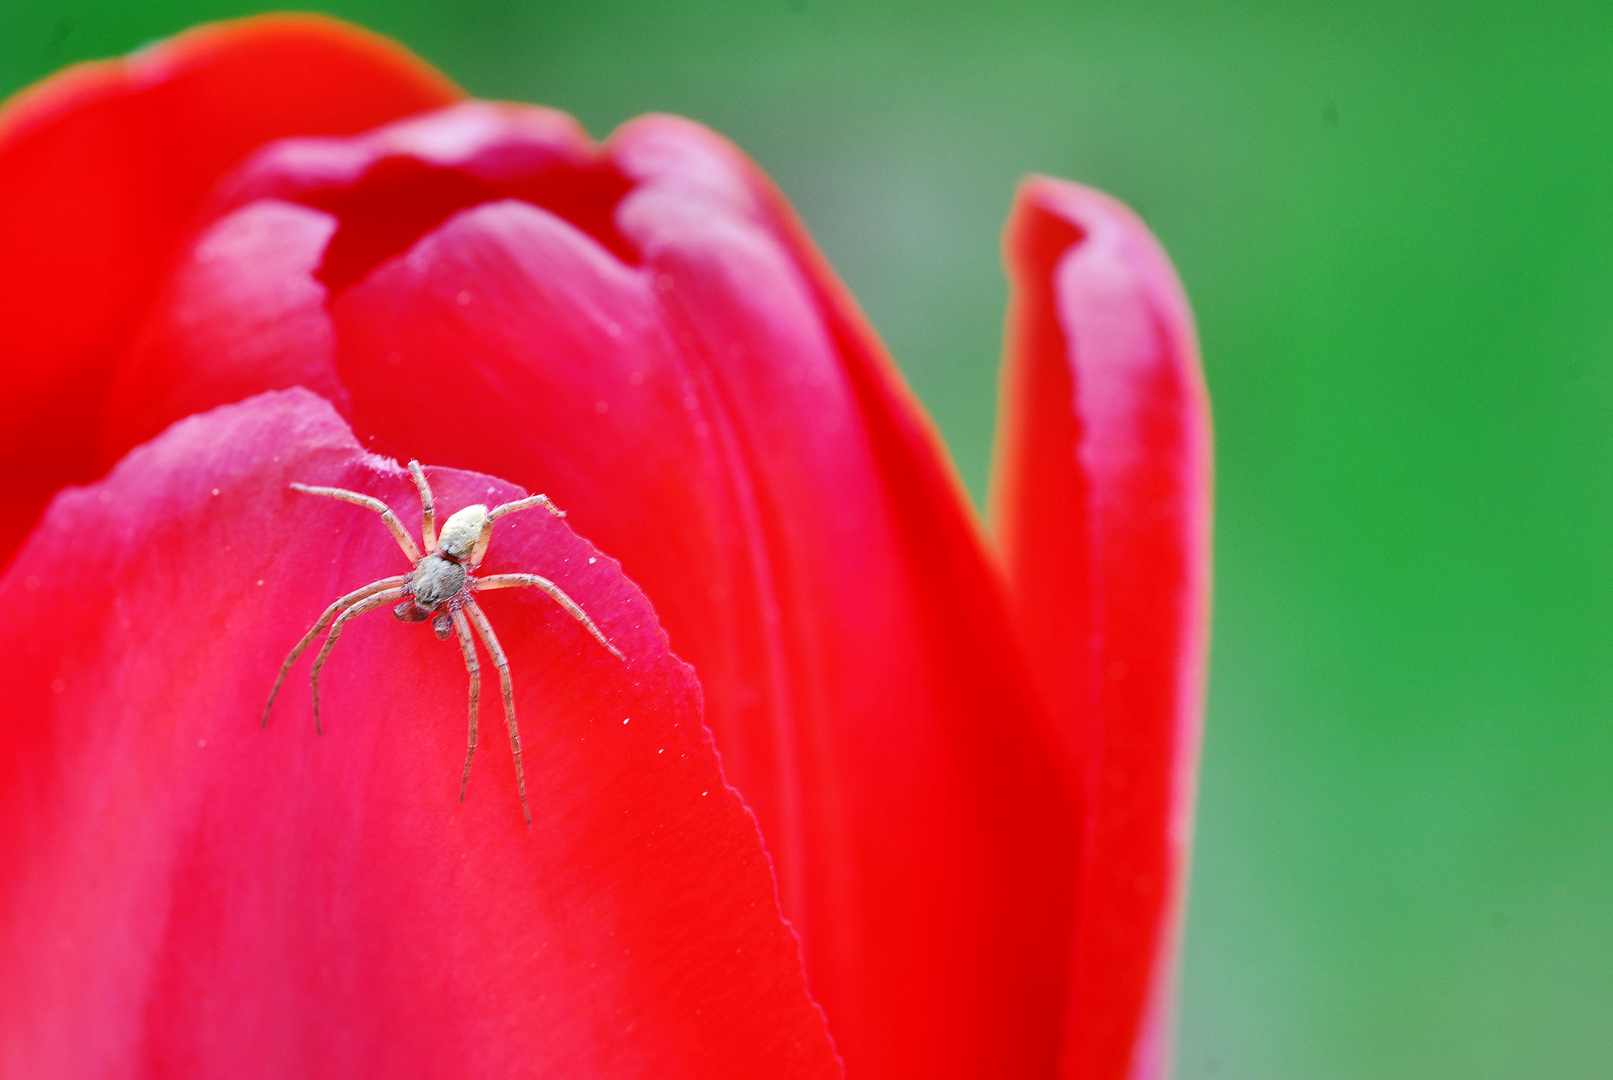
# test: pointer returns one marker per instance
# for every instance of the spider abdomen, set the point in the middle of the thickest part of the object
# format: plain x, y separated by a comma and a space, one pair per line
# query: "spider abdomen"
460, 532
434, 580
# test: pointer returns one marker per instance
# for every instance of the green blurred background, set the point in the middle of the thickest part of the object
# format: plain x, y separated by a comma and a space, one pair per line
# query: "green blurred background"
1394, 222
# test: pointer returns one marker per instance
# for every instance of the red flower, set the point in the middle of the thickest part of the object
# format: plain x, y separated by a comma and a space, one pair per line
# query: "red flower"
966, 790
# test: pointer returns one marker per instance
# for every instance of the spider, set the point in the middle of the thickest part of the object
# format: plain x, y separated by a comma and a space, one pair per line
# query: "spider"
441, 589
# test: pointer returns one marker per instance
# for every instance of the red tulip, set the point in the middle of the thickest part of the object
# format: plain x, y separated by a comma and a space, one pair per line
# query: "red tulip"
948, 833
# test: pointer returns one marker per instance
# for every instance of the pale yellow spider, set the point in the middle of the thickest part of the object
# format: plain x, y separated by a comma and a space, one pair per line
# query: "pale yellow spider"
440, 589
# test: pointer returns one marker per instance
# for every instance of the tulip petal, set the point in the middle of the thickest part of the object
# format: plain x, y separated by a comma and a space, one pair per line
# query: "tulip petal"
184, 894
101, 169
1101, 511
242, 313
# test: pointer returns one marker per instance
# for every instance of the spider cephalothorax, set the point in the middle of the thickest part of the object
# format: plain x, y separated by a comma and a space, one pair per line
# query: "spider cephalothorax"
441, 575
441, 588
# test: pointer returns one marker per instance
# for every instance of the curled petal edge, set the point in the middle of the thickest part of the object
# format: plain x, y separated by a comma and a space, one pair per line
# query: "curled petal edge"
1101, 512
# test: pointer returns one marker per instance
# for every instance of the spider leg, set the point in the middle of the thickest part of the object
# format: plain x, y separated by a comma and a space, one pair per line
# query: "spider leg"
386, 596
474, 669
557, 594
480, 551
405, 541
428, 510
319, 627
496, 651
